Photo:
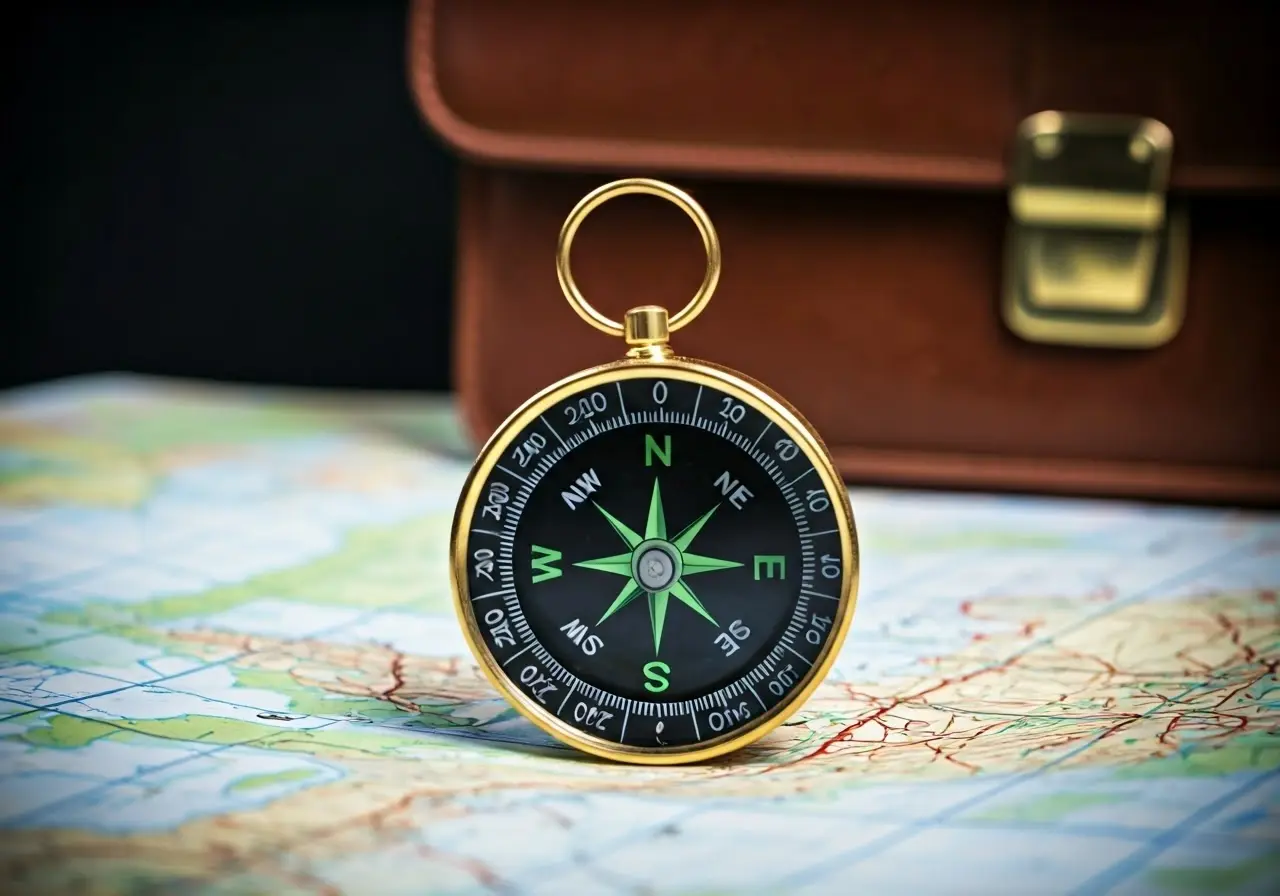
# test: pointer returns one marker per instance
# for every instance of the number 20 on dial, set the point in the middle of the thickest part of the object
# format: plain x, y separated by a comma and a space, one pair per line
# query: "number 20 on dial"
654, 560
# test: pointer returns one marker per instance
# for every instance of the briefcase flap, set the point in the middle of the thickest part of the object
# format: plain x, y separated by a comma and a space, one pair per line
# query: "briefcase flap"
926, 92
981, 243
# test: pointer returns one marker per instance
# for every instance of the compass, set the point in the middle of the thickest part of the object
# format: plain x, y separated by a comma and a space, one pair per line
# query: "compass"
654, 560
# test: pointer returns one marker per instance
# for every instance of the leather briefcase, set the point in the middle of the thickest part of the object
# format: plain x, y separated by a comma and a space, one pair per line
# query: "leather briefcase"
984, 244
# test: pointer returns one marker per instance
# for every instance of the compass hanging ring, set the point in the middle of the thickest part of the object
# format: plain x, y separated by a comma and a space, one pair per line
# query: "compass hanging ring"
638, 333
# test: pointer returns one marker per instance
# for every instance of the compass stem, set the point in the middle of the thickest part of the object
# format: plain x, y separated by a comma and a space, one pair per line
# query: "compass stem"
646, 325
646, 331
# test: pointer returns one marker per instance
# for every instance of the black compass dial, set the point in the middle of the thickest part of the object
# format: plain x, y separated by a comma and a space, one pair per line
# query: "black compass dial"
655, 562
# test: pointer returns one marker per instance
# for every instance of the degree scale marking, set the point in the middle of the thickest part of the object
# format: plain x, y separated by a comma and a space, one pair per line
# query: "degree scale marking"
767, 462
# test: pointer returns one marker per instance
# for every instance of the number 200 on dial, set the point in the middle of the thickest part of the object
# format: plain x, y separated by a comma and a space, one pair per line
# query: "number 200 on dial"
655, 565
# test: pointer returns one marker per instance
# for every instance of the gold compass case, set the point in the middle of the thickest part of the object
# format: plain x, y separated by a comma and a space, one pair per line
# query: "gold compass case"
659, 481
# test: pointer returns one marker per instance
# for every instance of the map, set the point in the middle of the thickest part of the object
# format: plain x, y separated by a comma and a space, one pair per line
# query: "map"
229, 663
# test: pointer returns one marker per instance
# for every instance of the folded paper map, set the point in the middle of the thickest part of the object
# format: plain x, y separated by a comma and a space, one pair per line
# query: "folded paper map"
230, 663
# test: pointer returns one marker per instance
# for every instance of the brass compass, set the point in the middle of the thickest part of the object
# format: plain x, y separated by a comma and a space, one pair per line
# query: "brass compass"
654, 560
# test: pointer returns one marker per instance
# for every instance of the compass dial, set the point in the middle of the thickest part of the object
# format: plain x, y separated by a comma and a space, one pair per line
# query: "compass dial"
655, 562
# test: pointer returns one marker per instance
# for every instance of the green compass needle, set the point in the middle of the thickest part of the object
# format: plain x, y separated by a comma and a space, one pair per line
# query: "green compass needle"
656, 525
629, 592
685, 595
627, 534
696, 563
657, 616
656, 565
685, 538
618, 564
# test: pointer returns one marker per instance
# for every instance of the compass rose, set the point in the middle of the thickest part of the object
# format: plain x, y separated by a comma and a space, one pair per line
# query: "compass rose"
657, 566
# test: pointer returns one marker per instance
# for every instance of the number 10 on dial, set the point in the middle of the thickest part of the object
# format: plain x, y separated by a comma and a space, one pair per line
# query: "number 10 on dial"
654, 560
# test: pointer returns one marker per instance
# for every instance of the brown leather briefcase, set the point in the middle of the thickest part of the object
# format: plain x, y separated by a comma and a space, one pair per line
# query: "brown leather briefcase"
988, 244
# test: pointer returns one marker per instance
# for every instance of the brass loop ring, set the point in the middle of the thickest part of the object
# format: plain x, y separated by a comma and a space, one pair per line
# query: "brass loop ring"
601, 195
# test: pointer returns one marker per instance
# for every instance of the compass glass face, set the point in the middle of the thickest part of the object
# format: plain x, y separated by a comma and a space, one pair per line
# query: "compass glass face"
655, 562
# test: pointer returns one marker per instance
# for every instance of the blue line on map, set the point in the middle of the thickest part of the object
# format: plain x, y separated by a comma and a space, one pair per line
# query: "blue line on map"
843, 861
1105, 880
1077, 829
358, 620
30, 708
131, 685
54, 642
37, 589
49, 670
33, 815
27, 817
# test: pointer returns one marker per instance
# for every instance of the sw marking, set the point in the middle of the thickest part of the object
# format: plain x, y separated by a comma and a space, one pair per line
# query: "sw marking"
576, 631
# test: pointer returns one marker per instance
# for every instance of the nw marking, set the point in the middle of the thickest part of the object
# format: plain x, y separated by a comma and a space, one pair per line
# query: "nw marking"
587, 483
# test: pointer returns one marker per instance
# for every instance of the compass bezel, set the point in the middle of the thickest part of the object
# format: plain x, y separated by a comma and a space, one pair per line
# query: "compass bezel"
743, 388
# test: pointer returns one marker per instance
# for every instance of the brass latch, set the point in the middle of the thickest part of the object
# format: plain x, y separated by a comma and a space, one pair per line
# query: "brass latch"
1095, 256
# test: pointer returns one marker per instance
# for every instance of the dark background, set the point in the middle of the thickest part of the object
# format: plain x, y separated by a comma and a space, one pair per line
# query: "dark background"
235, 190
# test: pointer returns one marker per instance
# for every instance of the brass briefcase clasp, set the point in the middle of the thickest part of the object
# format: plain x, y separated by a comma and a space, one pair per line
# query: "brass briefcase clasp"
1095, 254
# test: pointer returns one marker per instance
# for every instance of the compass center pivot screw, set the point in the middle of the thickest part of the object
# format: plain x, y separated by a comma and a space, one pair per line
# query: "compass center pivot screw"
656, 566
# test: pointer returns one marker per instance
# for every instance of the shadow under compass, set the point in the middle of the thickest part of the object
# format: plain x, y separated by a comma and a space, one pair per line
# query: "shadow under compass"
510, 731
484, 722
493, 723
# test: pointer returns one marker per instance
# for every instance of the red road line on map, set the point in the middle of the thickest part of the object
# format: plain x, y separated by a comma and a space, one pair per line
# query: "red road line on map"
1233, 630
397, 682
879, 714
378, 818
1090, 658
484, 875
1109, 669
1232, 693
1163, 736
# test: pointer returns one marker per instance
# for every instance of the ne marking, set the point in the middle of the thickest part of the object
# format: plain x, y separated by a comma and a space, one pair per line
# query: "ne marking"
486, 532
808, 593
503, 593
695, 403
